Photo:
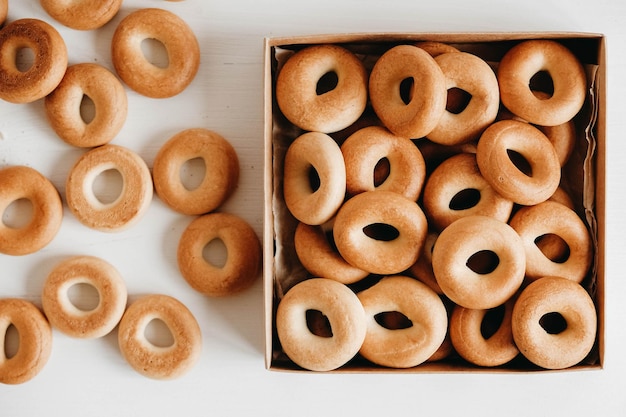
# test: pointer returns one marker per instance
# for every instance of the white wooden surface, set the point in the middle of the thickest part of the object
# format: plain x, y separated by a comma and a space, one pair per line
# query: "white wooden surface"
90, 378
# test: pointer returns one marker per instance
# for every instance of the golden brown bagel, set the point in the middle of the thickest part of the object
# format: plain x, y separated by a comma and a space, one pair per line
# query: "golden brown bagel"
109, 98
141, 75
82, 14
48, 68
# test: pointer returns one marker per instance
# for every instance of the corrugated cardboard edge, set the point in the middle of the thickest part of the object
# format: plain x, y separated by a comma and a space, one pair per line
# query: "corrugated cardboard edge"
455, 37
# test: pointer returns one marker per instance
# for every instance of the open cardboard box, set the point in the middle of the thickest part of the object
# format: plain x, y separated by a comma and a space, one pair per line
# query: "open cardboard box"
585, 175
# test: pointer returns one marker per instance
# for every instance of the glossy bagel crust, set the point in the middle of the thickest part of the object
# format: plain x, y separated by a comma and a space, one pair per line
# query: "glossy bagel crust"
68, 318
221, 171
427, 97
552, 218
566, 298
528, 58
334, 110
468, 341
496, 166
22, 182
48, 68
130, 205
154, 361
366, 147
405, 347
82, 14
380, 256
471, 74
466, 237
35, 341
243, 262
318, 151
108, 96
320, 258
344, 312
457, 174
179, 41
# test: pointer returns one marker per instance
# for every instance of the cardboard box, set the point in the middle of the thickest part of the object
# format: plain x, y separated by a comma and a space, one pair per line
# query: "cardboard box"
588, 171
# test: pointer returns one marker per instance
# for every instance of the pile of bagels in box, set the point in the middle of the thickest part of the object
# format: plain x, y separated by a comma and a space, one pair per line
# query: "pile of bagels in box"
62, 87
427, 206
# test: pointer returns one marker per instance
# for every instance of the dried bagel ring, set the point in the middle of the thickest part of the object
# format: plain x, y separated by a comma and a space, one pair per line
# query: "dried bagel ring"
406, 346
344, 312
427, 99
108, 96
48, 68
528, 58
68, 318
331, 111
153, 361
35, 343
141, 75
22, 182
548, 347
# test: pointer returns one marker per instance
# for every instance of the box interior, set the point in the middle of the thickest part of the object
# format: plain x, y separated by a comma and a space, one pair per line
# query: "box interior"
585, 174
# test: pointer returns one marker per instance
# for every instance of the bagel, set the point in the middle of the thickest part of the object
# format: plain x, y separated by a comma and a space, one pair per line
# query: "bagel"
495, 164
153, 361
409, 346
132, 203
35, 340
22, 182
314, 203
48, 68
181, 44
385, 254
109, 98
345, 315
464, 239
554, 348
330, 111
220, 178
427, 97
74, 321
364, 149
82, 14
528, 58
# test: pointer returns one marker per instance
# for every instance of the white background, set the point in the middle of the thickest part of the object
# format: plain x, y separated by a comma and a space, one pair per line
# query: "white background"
90, 378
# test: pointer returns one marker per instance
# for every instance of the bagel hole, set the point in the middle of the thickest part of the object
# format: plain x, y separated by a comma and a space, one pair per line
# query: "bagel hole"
87, 109
318, 323
553, 323
83, 296
520, 162
24, 59
215, 253
381, 171
314, 179
465, 199
158, 333
328, 82
108, 186
553, 247
483, 262
393, 320
406, 89
492, 321
542, 82
155, 52
192, 173
458, 100
381, 231
11, 343
18, 214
